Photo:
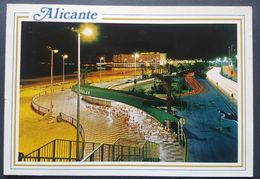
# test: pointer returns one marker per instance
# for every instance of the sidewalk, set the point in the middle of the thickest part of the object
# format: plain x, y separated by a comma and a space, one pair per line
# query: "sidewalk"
33, 132
227, 86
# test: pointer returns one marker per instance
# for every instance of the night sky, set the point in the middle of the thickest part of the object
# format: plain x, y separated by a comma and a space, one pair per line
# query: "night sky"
179, 41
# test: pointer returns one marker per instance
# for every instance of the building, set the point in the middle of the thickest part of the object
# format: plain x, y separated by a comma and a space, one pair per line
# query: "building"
176, 62
144, 57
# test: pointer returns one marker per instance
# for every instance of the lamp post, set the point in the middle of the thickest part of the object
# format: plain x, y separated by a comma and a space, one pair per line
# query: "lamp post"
90, 32
136, 55
100, 60
65, 56
52, 52
125, 67
78, 103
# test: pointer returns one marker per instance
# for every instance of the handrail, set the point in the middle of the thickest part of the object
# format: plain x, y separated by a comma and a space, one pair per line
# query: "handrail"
91, 153
58, 150
40, 147
123, 152
185, 154
73, 122
43, 110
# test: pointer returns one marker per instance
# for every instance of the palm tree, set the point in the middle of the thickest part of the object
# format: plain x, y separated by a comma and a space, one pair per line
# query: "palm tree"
167, 86
84, 72
152, 68
142, 67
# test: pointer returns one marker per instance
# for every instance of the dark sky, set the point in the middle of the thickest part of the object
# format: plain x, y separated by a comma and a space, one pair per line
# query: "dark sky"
179, 41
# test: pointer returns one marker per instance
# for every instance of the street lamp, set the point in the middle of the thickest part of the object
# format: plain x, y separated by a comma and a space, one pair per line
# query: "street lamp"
89, 33
64, 56
125, 67
100, 60
136, 55
52, 52
156, 61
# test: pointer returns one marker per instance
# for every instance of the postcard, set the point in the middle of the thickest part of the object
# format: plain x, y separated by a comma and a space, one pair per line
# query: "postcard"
128, 91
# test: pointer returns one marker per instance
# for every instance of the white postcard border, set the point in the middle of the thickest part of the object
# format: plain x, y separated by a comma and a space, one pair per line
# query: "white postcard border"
120, 15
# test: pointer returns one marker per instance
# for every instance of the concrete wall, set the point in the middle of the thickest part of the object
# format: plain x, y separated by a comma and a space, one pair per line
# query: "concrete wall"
97, 101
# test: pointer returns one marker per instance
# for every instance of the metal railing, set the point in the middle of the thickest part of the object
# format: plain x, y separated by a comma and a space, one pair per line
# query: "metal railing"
58, 150
43, 111
37, 108
182, 140
73, 122
114, 152
40, 109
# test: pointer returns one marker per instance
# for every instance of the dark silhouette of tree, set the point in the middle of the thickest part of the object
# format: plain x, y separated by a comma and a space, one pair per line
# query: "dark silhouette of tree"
142, 68
152, 68
200, 69
84, 72
166, 83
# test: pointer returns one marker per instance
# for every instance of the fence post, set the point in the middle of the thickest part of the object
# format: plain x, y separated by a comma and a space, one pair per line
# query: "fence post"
140, 154
102, 152
122, 152
20, 156
143, 153
134, 154
38, 155
83, 149
53, 150
113, 153
108, 153
70, 145
128, 153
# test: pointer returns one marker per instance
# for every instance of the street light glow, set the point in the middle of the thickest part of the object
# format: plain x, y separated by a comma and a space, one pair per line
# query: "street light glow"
55, 51
89, 32
136, 55
65, 56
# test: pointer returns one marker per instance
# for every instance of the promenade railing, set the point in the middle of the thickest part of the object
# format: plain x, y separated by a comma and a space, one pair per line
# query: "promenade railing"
149, 151
43, 111
58, 150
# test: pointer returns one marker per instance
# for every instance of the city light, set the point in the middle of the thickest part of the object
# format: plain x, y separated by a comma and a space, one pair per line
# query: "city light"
136, 55
100, 60
65, 56
90, 32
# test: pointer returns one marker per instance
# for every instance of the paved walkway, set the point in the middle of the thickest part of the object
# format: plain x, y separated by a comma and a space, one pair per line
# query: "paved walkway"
197, 88
111, 84
107, 124
230, 87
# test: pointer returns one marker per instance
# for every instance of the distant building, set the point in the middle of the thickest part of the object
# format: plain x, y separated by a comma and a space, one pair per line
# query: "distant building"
184, 61
144, 57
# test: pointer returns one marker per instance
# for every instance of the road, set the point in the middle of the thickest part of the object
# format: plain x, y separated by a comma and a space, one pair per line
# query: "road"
92, 77
196, 86
206, 143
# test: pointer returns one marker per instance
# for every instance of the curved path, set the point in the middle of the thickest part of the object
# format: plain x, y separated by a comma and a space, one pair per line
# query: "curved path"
229, 87
196, 86
206, 142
